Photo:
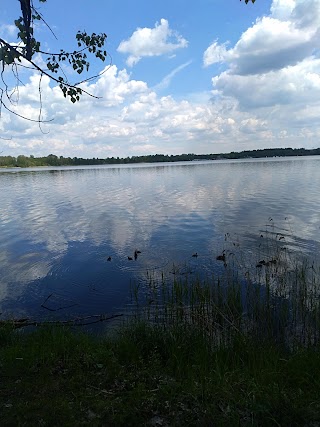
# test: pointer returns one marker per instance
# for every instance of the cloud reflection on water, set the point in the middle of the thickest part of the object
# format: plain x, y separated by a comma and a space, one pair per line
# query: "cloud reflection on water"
51, 220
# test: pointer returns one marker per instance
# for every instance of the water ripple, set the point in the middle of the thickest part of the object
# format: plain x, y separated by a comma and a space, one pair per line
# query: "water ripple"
59, 226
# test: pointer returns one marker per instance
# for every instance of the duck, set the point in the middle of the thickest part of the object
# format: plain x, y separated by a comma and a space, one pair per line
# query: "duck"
109, 258
130, 258
221, 257
195, 255
136, 252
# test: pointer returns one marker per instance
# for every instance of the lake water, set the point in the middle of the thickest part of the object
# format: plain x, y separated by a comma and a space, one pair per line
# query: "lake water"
60, 225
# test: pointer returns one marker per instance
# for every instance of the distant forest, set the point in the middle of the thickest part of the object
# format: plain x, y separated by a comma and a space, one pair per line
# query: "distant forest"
52, 160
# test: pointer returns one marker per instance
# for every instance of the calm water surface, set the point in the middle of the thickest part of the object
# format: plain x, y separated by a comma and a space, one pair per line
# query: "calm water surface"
60, 225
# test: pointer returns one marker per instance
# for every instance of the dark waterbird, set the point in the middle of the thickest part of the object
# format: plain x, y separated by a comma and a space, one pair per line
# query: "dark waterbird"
266, 263
136, 252
221, 257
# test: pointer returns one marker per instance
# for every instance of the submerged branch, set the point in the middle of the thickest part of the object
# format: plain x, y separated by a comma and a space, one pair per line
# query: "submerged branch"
78, 321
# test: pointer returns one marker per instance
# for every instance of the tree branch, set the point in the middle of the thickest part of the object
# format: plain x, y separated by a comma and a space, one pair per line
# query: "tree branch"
36, 67
28, 46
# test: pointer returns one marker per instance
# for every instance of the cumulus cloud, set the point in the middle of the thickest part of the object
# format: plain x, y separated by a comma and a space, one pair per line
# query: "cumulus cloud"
282, 9
115, 85
274, 62
284, 38
134, 120
215, 53
155, 41
252, 125
298, 85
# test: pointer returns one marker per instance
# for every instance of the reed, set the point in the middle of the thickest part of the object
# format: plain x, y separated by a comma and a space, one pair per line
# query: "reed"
276, 297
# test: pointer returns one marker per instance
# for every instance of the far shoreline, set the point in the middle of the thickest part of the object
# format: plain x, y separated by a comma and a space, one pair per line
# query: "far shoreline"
23, 161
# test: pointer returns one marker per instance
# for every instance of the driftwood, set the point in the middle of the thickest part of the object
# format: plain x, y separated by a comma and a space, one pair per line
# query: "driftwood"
78, 321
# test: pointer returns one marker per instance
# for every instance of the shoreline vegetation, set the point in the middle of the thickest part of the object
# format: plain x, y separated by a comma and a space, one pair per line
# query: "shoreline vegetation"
53, 160
240, 348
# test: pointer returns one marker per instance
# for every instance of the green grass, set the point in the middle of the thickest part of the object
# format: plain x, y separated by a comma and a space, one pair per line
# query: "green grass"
146, 374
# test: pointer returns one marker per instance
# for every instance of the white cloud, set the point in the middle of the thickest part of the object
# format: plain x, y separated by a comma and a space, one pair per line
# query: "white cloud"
272, 43
215, 53
252, 125
115, 85
273, 73
155, 41
282, 9
306, 14
295, 85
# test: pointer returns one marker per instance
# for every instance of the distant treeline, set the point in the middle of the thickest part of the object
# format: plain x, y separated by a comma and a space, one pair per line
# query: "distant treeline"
52, 160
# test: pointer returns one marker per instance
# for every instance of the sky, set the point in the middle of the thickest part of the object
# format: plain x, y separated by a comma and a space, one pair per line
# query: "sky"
181, 77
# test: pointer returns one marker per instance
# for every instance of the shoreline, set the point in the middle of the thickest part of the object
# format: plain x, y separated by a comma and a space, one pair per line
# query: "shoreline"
23, 161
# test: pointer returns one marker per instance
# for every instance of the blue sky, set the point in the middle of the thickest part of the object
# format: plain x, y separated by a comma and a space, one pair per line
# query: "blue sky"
203, 77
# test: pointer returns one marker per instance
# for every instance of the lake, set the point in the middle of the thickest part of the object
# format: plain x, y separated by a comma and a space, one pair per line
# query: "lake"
59, 226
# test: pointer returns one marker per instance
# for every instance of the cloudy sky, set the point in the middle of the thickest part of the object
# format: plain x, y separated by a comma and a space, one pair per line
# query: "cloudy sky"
205, 77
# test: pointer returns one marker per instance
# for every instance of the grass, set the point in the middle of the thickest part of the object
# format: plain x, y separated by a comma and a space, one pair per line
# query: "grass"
240, 349
149, 375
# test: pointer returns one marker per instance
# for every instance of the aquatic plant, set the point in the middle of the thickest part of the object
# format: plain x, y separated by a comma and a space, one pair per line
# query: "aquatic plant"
275, 296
